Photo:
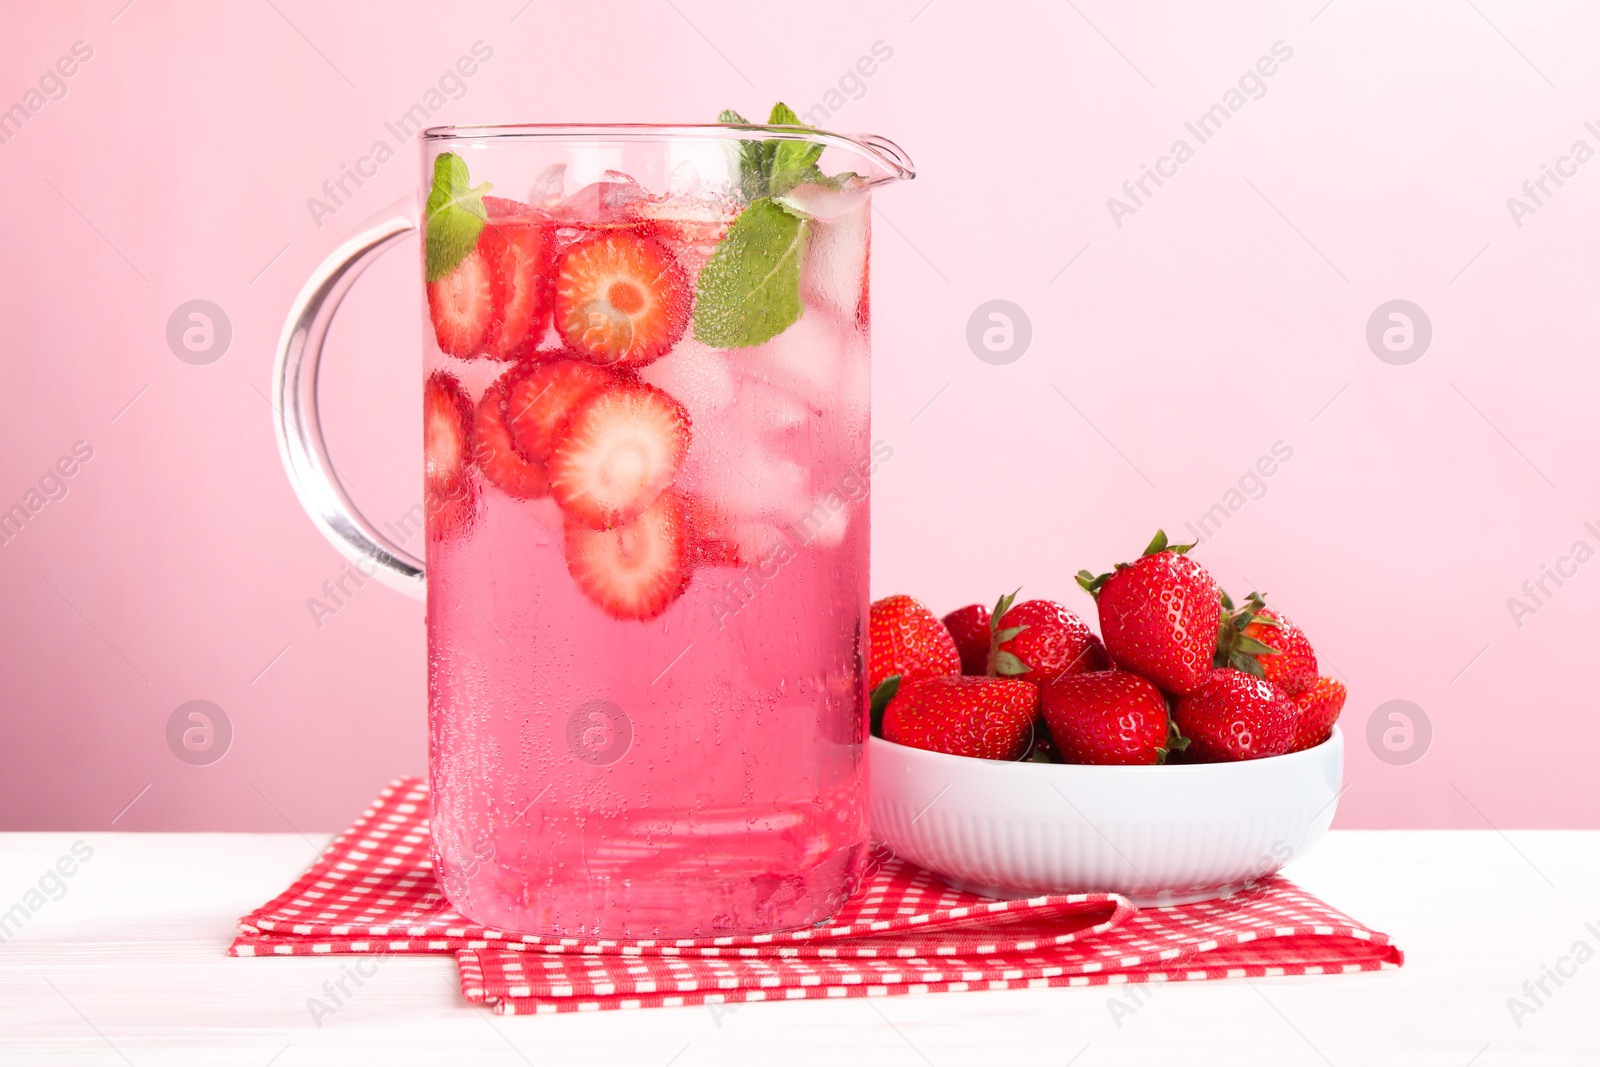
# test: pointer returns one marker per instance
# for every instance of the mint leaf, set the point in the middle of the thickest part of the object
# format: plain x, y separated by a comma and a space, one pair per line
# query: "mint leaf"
455, 216
749, 291
754, 159
793, 162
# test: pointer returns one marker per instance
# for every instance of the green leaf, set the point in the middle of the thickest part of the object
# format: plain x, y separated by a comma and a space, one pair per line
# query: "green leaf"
749, 291
793, 162
1091, 583
1254, 647
1006, 664
1175, 742
1158, 543
880, 700
1001, 607
732, 118
455, 216
1243, 661
1002, 636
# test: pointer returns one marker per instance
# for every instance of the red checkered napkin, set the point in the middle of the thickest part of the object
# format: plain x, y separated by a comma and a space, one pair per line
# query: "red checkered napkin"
905, 932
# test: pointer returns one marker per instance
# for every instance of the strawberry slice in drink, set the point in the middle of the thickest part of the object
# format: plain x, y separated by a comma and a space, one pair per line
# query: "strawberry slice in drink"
620, 298
619, 451
540, 402
461, 306
637, 569
517, 246
495, 449
449, 496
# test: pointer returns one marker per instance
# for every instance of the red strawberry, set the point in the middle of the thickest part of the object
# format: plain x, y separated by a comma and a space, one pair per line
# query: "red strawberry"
1235, 716
496, 451
621, 298
1038, 640
1159, 615
906, 639
516, 245
1319, 706
986, 718
695, 223
620, 450
461, 305
448, 494
1108, 716
633, 571
1259, 640
541, 402
969, 627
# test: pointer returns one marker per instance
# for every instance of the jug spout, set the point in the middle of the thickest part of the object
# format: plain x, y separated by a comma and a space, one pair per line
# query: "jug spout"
896, 165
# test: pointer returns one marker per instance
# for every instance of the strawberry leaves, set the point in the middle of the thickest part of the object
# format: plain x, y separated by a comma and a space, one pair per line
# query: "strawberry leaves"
1091, 582
1236, 649
1175, 742
1002, 663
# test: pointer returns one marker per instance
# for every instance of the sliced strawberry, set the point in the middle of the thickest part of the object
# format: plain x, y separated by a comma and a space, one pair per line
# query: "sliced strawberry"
540, 403
620, 298
461, 305
635, 570
516, 244
620, 450
495, 449
448, 492
693, 222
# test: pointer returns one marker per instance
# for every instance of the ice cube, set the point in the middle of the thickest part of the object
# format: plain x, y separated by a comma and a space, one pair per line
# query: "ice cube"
770, 411
601, 202
697, 376
549, 186
824, 523
835, 269
806, 359
740, 476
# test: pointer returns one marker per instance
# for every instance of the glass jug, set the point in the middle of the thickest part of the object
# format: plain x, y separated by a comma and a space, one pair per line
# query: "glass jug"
646, 443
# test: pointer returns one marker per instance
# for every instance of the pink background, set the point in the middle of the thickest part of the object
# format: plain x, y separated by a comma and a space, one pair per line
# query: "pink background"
1227, 313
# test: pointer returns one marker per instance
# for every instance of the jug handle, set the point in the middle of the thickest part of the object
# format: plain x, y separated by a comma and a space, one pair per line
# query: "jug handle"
298, 424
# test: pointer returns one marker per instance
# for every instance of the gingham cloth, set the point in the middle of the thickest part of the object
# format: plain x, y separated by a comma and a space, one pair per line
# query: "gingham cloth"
373, 891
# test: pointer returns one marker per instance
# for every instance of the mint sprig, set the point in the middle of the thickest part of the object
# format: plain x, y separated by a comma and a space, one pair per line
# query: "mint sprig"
455, 217
772, 168
749, 291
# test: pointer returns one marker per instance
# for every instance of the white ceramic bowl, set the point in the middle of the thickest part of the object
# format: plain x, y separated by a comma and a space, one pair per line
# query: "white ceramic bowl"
1158, 835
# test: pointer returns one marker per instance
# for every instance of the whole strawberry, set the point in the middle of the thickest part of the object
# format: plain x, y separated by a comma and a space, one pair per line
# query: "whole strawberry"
969, 628
906, 639
1235, 716
1261, 641
986, 718
1159, 615
1038, 640
1319, 706
1111, 717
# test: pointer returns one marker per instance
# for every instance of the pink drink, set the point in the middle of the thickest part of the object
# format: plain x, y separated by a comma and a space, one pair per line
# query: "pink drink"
646, 676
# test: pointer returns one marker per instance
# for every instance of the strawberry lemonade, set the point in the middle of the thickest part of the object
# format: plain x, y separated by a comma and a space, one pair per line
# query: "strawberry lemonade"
647, 457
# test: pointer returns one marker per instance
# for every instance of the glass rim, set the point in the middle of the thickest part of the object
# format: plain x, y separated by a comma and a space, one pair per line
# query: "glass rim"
880, 150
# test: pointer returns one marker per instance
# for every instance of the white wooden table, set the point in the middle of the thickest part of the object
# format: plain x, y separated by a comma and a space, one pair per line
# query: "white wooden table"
127, 966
